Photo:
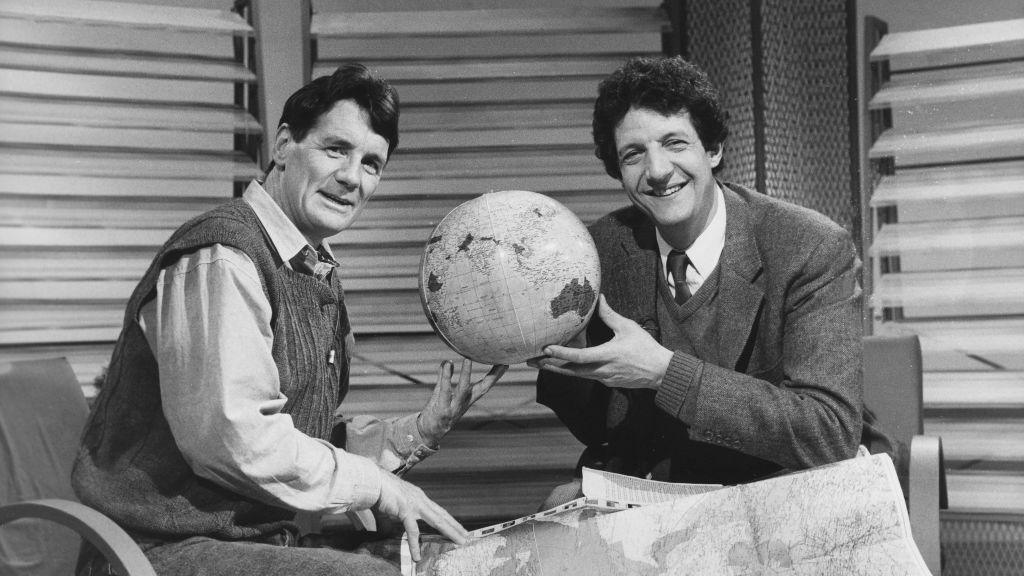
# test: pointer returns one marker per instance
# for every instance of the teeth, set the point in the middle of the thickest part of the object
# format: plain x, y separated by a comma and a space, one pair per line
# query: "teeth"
666, 192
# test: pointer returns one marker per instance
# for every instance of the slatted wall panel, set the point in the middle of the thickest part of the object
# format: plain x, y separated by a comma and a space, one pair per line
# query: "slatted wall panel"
493, 98
118, 122
948, 246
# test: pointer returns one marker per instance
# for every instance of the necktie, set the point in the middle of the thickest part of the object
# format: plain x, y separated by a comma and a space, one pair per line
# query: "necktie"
677, 263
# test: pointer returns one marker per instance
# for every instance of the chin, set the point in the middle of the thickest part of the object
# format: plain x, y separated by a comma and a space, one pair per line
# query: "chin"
330, 227
668, 221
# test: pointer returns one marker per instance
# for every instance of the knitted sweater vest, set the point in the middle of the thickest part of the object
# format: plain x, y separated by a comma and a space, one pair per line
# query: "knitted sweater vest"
129, 466
693, 328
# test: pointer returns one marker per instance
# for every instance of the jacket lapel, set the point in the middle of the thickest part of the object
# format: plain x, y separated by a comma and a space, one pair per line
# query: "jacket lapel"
634, 280
741, 288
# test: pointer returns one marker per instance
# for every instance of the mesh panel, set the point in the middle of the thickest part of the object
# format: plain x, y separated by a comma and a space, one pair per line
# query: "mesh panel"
807, 139
806, 131
982, 546
719, 42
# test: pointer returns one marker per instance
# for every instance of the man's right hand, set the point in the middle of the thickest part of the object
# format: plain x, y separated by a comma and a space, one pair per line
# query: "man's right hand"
409, 504
631, 359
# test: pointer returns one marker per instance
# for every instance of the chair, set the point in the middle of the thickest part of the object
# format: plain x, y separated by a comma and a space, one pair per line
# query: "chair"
42, 414
893, 391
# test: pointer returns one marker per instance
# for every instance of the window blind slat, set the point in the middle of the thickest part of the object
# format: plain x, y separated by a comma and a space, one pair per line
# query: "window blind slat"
954, 293
126, 114
949, 39
456, 23
127, 14
977, 236
994, 389
960, 143
117, 64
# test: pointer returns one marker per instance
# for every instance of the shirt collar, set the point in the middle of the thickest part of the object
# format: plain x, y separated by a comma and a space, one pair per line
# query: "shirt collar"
285, 237
706, 250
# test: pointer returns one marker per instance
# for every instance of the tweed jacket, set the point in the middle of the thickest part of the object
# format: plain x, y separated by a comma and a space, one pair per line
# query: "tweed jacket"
786, 389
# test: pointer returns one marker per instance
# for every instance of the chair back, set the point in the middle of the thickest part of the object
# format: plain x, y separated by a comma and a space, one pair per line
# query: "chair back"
42, 415
893, 384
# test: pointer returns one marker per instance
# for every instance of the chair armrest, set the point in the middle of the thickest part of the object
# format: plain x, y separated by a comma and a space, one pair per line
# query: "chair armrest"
927, 494
116, 545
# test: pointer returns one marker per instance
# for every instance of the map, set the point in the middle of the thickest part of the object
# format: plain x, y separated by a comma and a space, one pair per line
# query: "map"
499, 554
845, 518
507, 273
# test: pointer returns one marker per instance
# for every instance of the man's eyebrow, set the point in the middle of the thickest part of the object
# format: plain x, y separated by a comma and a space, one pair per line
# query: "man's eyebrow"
681, 134
337, 141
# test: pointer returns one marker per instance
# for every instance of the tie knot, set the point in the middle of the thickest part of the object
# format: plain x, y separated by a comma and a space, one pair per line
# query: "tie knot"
677, 263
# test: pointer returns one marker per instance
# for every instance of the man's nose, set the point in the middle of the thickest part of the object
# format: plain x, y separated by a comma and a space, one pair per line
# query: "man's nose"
659, 167
348, 175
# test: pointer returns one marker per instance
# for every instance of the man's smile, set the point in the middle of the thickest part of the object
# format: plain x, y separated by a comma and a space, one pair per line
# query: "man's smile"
667, 191
336, 199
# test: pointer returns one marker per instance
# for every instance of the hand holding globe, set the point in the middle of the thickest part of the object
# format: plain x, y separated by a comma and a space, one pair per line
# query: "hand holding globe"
507, 273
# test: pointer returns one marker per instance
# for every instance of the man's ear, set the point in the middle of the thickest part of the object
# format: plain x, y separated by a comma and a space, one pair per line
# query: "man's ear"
282, 142
715, 157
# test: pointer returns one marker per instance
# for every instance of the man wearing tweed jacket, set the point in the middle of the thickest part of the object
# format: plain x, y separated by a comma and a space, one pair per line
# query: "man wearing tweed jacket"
733, 360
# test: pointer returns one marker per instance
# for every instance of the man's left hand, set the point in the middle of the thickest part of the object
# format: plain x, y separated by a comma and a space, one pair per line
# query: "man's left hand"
450, 401
631, 359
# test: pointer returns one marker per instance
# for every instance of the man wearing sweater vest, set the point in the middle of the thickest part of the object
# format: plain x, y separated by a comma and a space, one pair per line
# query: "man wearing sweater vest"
727, 343
215, 424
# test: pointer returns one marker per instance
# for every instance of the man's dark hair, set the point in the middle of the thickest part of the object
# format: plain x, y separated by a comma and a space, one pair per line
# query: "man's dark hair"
350, 81
666, 85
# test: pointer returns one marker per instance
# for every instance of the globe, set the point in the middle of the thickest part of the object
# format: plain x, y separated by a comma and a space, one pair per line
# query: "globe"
507, 273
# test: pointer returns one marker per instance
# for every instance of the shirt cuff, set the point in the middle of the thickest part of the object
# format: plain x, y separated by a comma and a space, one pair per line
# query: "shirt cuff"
409, 444
679, 387
362, 477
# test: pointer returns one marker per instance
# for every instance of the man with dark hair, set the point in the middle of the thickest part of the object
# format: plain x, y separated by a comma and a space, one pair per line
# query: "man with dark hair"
214, 426
727, 344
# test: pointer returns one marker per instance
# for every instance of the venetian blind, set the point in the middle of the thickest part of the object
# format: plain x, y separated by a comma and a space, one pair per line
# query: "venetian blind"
118, 122
947, 250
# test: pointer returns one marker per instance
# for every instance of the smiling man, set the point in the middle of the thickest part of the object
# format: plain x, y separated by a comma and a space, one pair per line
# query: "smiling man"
727, 345
215, 424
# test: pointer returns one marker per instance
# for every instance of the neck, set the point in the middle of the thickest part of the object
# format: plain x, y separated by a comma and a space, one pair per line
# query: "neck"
275, 189
273, 185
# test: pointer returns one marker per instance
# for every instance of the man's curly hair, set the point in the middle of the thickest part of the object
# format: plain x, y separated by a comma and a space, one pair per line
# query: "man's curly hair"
664, 84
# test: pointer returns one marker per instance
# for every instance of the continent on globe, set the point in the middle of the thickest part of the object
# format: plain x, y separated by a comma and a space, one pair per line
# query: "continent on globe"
507, 273
574, 297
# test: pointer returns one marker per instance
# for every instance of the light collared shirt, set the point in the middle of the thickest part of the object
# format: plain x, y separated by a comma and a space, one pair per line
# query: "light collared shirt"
705, 251
209, 328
